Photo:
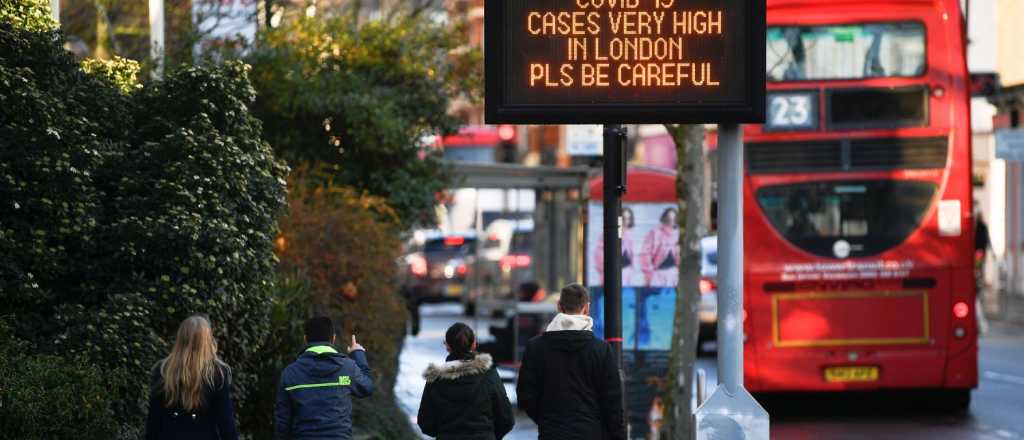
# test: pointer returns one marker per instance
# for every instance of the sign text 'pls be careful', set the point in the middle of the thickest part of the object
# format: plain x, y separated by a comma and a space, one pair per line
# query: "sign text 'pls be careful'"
548, 61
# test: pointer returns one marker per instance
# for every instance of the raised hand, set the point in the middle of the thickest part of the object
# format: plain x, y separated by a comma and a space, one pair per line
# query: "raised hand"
355, 345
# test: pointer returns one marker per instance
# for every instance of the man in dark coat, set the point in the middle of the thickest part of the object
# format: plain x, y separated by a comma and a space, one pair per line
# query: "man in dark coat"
569, 382
314, 398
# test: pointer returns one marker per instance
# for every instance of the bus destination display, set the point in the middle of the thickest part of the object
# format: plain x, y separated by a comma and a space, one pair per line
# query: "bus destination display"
610, 61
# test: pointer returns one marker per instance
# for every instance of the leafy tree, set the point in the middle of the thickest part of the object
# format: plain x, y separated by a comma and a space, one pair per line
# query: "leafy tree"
126, 208
345, 245
361, 97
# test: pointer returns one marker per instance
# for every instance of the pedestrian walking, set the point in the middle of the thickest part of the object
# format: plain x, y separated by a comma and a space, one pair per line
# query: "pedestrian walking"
982, 244
569, 381
190, 392
314, 398
464, 398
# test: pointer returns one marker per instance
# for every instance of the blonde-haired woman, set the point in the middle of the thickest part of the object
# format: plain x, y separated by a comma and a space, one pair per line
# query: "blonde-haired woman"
190, 396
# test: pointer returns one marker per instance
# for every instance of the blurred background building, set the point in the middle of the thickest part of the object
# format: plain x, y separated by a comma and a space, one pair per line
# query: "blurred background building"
997, 68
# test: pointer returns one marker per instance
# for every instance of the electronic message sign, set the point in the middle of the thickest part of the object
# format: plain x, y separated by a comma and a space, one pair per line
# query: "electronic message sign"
625, 61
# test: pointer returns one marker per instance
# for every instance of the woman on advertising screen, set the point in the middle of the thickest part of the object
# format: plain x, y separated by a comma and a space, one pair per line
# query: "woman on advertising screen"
659, 257
631, 274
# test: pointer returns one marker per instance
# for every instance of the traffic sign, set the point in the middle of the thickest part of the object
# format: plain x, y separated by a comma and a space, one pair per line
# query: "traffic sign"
583, 140
624, 61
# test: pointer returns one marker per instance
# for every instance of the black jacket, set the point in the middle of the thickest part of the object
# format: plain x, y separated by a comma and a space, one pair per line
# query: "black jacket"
314, 398
465, 400
214, 421
570, 386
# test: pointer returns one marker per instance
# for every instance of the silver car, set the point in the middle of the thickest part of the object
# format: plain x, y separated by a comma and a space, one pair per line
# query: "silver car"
707, 311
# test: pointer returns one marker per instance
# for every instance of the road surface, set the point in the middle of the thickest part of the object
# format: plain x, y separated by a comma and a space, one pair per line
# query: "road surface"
996, 413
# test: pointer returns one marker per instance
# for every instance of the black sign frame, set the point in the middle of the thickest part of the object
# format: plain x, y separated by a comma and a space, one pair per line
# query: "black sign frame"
497, 111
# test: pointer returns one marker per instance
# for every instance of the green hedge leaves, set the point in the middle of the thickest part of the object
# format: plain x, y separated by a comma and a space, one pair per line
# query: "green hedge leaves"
126, 208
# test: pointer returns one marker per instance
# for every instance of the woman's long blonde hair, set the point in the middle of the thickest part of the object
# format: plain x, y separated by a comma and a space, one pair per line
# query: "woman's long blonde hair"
192, 364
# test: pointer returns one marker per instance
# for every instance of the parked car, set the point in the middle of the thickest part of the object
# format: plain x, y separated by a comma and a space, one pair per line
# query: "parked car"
707, 311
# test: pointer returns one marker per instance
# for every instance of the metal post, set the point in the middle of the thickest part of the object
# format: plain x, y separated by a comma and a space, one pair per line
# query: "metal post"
156, 36
730, 257
614, 187
731, 412
55, 10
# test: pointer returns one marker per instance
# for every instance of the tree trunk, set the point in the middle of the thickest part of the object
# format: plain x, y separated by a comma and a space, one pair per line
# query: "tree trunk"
689, 140
103, 33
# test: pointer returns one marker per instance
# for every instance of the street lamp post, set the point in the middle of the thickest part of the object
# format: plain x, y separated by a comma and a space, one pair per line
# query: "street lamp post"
614, 188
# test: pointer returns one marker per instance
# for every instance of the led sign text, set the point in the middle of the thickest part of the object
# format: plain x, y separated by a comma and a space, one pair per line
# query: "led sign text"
601, 54
641, 48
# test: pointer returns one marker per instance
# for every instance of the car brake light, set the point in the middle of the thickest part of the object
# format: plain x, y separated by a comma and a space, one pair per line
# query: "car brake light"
418, 265
961, 309
454, 240
462, 269
515, 261
707, 286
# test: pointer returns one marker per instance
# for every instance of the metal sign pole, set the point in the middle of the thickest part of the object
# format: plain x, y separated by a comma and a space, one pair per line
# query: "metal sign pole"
156, 36
614, 187
731, 412
730, 258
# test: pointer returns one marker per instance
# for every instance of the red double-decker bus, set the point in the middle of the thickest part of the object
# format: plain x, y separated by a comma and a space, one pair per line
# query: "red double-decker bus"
858, 220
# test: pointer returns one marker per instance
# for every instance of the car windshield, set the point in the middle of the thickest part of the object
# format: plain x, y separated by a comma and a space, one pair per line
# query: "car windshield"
867, 216
455, 244
854, 51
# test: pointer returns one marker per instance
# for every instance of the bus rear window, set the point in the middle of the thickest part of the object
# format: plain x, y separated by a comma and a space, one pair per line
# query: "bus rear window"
854, 51
844, 219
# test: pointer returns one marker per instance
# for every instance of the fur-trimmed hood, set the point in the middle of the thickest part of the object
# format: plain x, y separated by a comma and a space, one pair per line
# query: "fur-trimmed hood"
455, 369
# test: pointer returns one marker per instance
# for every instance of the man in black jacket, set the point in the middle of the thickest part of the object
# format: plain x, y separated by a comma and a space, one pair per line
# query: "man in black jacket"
569, 382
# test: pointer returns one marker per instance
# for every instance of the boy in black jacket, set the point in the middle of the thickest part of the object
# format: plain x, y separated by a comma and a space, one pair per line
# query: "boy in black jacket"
569, 383
314, 399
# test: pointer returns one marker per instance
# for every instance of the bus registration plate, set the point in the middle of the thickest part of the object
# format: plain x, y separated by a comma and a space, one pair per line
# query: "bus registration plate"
851, 374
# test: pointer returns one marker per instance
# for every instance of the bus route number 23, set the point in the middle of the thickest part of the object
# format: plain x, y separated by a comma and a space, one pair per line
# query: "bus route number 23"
792, 111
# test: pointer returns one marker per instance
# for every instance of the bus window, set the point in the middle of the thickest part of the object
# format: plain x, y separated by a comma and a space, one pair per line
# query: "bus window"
855, 51
872, 216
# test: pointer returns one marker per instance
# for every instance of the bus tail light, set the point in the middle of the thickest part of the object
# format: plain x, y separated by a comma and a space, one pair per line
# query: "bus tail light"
961, 310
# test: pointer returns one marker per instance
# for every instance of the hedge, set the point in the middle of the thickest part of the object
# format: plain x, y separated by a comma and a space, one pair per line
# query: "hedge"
124, 208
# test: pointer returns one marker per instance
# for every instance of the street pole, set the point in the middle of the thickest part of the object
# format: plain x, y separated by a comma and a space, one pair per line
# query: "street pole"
614, 188
55, 10
731, 412
730, 257
156, 36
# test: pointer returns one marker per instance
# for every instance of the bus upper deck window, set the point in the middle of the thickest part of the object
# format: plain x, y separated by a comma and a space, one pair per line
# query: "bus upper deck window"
849, 51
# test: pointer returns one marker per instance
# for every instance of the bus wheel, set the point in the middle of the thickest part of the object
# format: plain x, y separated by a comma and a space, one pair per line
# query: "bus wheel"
957, 401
